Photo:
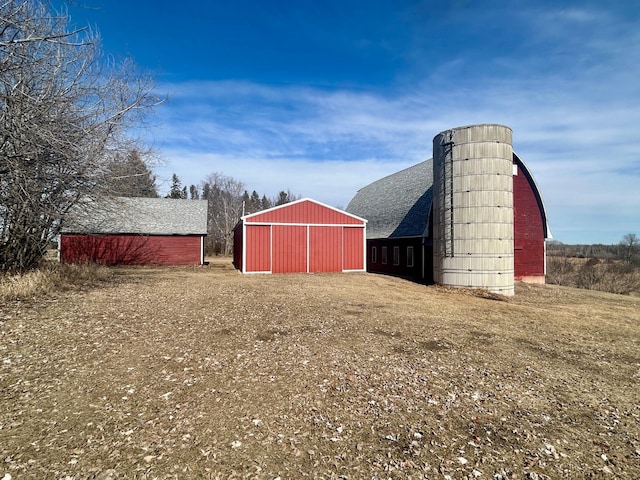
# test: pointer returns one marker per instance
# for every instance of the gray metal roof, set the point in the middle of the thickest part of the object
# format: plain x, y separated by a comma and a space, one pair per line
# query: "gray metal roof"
397, 205
148, 216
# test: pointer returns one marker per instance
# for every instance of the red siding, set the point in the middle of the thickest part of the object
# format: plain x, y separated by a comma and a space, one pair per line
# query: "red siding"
353, 248
131, 249
325, 249
529, 230
298, 237
304, 212
289, 249
258, 248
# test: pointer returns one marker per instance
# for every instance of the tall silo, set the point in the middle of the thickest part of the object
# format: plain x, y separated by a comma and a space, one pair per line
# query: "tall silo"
473, 208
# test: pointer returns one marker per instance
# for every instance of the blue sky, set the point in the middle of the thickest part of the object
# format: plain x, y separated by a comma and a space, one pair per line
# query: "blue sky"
324, 97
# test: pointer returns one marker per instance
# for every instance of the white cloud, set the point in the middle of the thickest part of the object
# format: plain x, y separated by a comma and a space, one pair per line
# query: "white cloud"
576, 126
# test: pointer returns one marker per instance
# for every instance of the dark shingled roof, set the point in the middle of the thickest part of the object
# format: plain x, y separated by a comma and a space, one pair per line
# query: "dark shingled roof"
397, 205
146, 216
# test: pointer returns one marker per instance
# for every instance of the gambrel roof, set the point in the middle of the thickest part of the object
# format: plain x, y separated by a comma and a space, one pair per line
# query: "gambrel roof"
144, 216
397, 205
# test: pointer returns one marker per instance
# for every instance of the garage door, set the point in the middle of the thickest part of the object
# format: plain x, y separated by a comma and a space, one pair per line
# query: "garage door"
289, 249
325, 249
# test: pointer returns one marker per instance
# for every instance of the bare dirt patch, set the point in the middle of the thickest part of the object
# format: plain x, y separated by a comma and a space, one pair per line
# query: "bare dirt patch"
204, 373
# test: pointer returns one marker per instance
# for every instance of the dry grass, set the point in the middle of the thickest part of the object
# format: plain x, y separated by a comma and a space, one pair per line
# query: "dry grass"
204, 373
51, 278
612, 276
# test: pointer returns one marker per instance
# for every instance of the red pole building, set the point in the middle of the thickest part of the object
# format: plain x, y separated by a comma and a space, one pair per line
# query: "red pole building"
304, 236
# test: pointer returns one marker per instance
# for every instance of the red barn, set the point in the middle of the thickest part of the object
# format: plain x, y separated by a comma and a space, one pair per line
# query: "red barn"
136, 231
530, 226
400, 228
304, 236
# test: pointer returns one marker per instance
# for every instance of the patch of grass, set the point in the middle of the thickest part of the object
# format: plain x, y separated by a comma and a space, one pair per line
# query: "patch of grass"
612, 276
51, 278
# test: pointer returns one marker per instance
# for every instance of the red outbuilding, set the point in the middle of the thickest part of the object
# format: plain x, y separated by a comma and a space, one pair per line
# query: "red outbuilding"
135, 231
304, 236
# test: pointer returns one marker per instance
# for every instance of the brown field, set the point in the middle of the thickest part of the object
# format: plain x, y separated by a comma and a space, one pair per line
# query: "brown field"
204, 373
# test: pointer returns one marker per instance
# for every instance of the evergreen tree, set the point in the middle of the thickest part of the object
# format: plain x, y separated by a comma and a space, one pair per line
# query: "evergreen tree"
283, 197
130, 176
265, 203
206, 191
246, 204
252, 203
256, 205
176, 187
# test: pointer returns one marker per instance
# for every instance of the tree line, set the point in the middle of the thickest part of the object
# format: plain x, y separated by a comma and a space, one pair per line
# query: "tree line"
626, 250
610, 268
228, 200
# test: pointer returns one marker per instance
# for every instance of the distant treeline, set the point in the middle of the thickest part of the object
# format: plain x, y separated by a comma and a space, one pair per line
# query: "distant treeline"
601, 251
627, 250
609, 268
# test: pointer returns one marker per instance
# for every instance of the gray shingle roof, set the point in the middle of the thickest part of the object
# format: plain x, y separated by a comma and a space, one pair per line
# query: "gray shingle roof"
397, 205
148, 216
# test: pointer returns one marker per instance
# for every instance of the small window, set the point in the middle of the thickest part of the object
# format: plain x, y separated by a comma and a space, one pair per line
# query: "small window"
396, 255
409, 256
374, 254
384, 255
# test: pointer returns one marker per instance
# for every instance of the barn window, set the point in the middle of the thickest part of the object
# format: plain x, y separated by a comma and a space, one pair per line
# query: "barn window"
396, 255
384, 255
409, 256
374, 254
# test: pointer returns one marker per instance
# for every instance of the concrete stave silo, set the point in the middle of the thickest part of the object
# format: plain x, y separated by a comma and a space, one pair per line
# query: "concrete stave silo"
473, 208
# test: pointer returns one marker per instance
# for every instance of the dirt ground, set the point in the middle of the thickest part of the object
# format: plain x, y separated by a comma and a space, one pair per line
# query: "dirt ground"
205, 373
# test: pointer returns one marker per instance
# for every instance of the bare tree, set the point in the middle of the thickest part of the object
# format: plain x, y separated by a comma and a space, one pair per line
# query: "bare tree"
224, 195
64, 111
629, 248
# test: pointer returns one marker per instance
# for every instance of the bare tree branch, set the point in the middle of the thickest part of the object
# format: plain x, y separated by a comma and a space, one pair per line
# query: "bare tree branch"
224, 195
65, 114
